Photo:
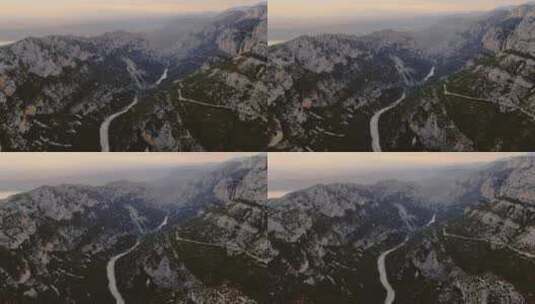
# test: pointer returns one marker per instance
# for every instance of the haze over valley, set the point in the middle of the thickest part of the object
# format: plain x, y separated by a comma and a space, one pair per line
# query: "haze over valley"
123, 83
297, 18
461, 80
461, 235
290, 172
22, 19
128, 241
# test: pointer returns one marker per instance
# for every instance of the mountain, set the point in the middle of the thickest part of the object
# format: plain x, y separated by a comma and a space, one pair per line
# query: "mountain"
496, 88
54, 240
58, 93
223, 241
329, 241
218, 255
451, 87
324, 88
63, 244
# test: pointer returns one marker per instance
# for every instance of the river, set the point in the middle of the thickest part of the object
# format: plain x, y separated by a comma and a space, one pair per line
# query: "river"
110, 268
381, 266
163, 77
104, 128
374, 124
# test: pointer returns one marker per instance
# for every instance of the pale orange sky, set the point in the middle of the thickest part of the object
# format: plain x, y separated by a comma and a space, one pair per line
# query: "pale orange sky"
65, 9
60, 164
331, 8
331, 161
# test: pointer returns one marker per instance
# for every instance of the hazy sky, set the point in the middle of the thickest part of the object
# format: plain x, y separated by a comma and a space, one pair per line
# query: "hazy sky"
96, 168
391, 8
288, 171
71, 9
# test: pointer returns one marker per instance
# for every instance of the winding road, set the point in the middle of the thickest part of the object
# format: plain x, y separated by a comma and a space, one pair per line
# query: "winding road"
200, 103
374, 124
260, 260
105, 126
512, 106
381, 266
517, 251
448, 93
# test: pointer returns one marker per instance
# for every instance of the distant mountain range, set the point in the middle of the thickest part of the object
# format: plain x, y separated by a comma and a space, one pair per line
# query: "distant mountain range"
135, 92
465, 84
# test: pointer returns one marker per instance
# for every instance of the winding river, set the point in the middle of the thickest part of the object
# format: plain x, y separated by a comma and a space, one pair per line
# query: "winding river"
105, 126
374, 124
432, 221
163, 77
110, 272
431, 74
381, 265
110, 268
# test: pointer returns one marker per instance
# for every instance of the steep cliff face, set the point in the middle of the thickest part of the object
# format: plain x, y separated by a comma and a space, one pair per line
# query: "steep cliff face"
218, 254
508, 216
469, 248
494, 89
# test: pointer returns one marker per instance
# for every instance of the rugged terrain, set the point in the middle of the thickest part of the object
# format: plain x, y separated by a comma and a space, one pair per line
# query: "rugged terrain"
57, 244
474, 246
471, 90
56, 92
216, 238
